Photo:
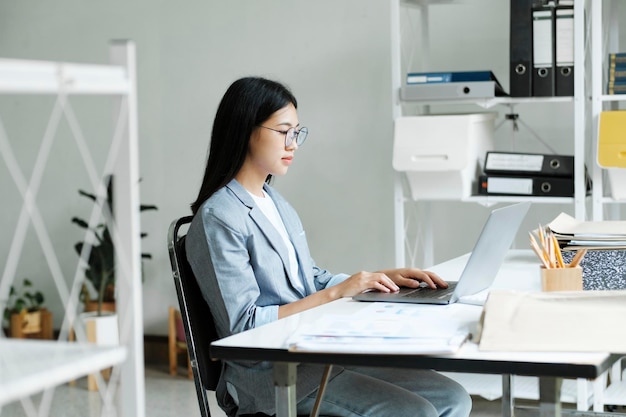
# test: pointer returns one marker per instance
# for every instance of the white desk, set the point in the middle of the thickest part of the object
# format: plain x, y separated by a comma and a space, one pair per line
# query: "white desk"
269, 343
30, 366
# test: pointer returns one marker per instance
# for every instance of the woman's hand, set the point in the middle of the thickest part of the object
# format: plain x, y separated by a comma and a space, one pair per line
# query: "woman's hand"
364, 280
412, 277
353, 285
388, 280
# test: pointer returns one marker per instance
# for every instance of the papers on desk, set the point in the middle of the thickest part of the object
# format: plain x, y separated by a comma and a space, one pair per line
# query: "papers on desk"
573, 234
381, 328
566, 321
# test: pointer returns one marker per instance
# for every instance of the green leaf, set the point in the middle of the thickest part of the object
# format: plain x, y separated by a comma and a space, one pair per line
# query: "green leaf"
20, 304
39, 298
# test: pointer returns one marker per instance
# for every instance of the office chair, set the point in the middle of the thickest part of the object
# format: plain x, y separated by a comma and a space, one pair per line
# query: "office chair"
197, 319
199, 324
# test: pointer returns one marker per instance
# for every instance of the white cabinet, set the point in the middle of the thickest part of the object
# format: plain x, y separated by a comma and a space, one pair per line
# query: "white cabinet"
595, 35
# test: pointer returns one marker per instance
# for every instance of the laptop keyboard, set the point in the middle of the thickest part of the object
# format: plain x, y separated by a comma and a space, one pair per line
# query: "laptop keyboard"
427, 292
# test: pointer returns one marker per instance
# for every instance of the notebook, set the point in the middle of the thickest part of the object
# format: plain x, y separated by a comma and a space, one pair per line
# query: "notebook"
480, 270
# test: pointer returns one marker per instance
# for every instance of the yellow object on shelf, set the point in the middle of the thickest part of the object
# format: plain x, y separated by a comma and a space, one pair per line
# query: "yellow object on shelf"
612, 139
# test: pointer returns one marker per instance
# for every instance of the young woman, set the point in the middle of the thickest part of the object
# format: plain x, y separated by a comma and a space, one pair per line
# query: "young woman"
248, 250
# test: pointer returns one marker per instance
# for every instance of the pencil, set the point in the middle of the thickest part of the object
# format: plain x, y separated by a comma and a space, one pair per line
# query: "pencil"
540, 232
540, 253
557, 249
549, 249
577, 258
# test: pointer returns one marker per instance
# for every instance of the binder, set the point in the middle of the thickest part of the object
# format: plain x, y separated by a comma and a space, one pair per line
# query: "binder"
564, 50
520, 48
617, 73
447, 77
617, 58
616, 88
513, 163
528, 186
543, 51
452, 90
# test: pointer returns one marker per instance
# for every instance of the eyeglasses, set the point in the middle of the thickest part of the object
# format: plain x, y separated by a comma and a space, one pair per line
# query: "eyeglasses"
291, 134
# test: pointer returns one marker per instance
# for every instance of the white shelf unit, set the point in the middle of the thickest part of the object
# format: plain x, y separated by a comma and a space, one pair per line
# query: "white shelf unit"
583, 157
604, 39
580, 120
62, 79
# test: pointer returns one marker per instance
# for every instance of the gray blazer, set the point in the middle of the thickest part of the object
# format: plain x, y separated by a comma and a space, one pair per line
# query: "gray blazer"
240, 262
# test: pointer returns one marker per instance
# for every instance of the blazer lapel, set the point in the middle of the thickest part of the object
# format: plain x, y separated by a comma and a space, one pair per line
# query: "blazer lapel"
298, 239
267, 228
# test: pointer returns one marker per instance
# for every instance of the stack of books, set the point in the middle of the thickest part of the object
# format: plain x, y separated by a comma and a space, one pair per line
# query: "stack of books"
616, 83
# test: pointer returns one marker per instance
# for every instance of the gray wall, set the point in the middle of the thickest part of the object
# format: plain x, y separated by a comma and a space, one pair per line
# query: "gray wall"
335, 55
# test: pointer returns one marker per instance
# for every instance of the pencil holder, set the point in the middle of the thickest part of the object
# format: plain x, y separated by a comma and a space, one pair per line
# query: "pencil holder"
561, 279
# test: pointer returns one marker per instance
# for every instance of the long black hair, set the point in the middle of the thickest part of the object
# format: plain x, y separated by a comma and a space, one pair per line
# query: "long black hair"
247, 103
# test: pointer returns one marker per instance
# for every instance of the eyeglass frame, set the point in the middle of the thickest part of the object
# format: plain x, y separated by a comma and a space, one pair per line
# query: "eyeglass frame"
294, 136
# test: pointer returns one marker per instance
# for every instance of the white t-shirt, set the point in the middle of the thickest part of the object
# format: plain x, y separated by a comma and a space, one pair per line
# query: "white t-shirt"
267, 206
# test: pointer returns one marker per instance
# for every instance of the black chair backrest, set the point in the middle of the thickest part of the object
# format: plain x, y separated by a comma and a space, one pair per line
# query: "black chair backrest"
197, 319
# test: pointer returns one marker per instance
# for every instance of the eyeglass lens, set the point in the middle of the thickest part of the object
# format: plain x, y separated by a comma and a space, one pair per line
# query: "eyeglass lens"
299, 136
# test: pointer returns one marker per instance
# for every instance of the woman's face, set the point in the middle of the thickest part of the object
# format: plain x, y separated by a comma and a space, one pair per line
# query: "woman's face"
267, 153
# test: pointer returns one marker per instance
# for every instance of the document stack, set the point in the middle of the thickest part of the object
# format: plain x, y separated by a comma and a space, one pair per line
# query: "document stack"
604, 264
573, 234
527, 174
541, 48
616, 76
382, 328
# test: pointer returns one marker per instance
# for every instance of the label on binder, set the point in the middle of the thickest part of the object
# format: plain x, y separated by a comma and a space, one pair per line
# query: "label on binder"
514, 162
504, 185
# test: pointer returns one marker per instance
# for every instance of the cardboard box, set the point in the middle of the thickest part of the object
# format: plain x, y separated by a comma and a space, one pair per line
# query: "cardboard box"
563, 321
442, 155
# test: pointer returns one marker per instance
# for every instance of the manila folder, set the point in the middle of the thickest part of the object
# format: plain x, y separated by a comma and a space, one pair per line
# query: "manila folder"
563, 321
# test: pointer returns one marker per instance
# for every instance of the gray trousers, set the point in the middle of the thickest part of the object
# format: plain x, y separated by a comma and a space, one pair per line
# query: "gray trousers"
385, 392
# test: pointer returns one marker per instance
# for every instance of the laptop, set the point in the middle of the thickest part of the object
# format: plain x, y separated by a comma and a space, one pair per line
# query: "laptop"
480, 270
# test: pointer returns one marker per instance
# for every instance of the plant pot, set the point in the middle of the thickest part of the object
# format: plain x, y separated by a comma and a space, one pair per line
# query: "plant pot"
33, 325
92, 305
102, 330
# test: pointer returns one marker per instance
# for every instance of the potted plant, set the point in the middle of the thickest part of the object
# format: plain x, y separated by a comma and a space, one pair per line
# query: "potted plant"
25, 313
100, 271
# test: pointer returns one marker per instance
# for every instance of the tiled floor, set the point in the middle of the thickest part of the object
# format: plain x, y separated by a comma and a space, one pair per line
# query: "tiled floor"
166, 396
